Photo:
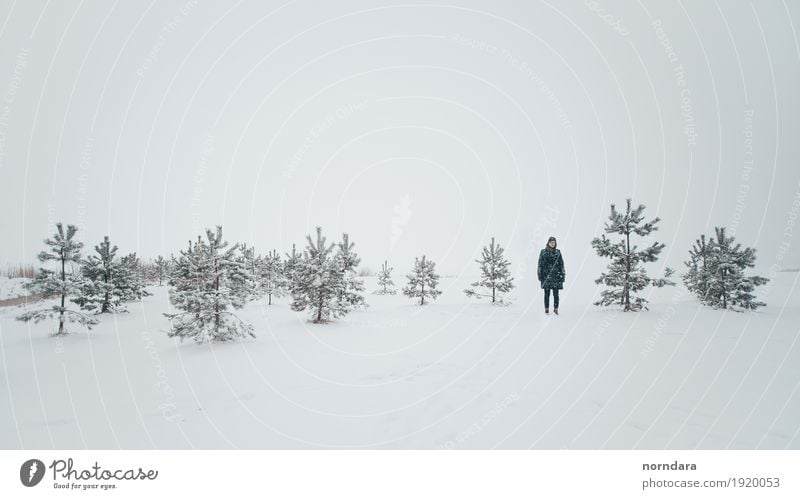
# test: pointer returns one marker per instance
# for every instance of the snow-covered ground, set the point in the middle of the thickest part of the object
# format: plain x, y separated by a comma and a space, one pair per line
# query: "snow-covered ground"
452, 374
12, 287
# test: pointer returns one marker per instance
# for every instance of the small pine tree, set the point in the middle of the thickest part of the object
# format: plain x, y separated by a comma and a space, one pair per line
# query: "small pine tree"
161, 269
423, 275
385, 280
128, 279
270, 275
249, 259
626, 276
101, 276
351, 293
698, 274
728, 287
319, 282
251, 263
208, 280
495, 275
62, 249
290, 266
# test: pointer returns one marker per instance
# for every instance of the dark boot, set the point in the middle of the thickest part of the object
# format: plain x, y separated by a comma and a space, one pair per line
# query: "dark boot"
547, 311
555, 311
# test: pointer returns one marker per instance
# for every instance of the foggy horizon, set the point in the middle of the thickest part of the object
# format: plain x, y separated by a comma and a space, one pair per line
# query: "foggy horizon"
417, 129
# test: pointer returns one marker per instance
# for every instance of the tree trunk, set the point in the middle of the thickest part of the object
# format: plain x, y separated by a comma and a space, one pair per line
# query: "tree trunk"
703, 280
627, 291
216, 298
63, 292
724, 291
106, 297
491, 269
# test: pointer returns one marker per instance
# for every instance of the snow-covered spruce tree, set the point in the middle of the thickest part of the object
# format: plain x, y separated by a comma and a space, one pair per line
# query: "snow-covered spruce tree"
249, 258
161, 267
385, 280
495, 275
251, 262
352, 291
728, 287
128, 279
626, 276
698, 267
101, 275
270, 276
318, 282
62, 250
290, 266
208, 280
422, 281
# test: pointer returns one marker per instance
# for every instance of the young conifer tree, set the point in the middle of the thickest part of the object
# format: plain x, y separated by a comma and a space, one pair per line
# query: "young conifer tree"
422, 281
271, 278
351, 294
161, 269
626, 275
101, 274
290, 266
128, 279
63, 251
728, 286
319, 282
251, 263
208, 281
699, 270
385, 280
496, 277
249, 258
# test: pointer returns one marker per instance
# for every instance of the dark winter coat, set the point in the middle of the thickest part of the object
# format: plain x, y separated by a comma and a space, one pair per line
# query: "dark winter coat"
551, 269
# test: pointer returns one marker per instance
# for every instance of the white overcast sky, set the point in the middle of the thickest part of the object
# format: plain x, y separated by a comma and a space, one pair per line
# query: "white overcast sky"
417, 128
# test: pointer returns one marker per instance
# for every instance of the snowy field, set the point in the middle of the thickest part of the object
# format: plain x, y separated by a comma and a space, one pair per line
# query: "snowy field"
452, 374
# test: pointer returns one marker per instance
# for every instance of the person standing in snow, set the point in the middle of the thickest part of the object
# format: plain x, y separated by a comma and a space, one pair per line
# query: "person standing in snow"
551, 273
